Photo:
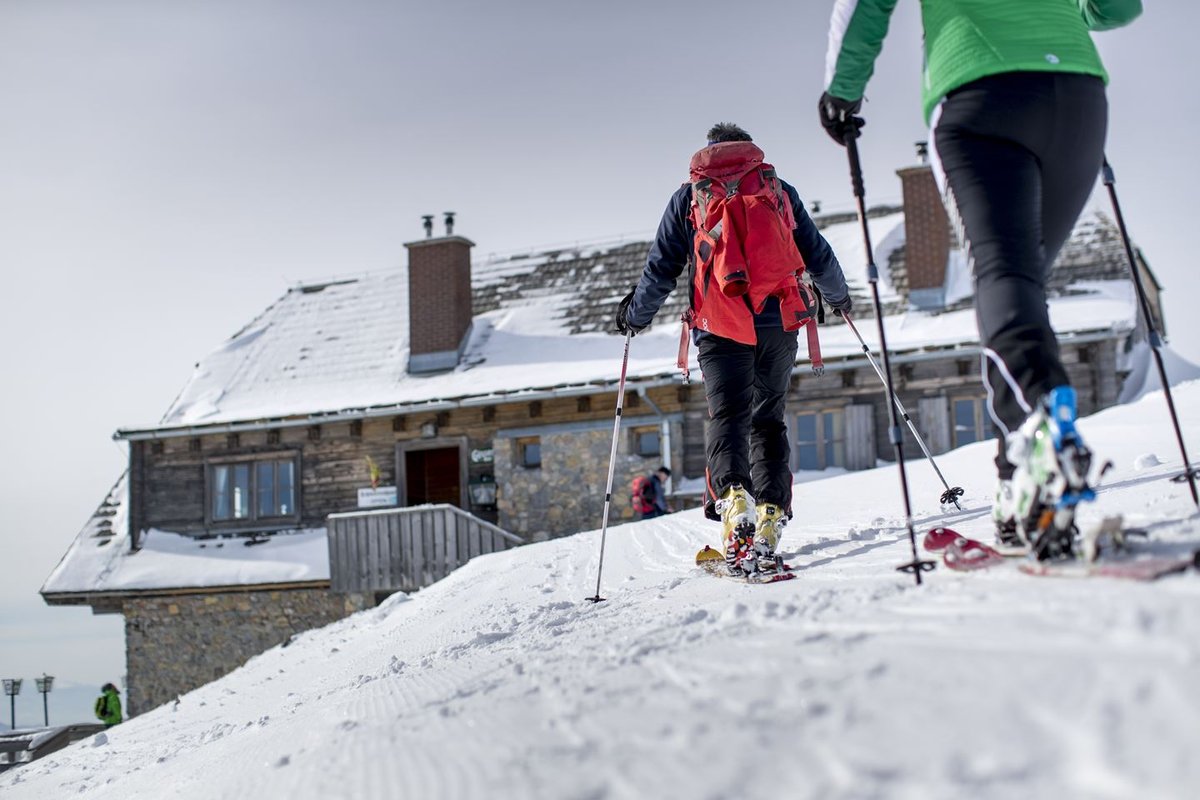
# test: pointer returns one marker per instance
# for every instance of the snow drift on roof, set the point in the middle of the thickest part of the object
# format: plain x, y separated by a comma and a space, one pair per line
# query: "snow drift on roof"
100, 559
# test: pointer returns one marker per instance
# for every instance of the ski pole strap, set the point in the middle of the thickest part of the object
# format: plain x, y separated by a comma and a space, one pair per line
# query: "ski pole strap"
682, 361
814, 348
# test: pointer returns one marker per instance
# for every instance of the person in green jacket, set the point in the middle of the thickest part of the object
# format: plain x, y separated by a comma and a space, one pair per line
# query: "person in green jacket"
1014, 91
108, 706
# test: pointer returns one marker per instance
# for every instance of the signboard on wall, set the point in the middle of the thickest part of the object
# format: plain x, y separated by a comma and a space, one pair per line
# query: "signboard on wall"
483, 456
379, 497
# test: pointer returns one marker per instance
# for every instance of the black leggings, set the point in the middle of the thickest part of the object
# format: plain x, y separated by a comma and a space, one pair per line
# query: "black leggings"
747, 440
1021, 153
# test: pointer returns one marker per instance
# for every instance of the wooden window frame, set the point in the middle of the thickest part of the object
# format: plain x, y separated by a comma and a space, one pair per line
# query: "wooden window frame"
521, 443
838, 439
635, 436
981, 417
252, 522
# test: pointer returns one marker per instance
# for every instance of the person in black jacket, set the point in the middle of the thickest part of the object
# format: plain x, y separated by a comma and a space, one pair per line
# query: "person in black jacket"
749, 479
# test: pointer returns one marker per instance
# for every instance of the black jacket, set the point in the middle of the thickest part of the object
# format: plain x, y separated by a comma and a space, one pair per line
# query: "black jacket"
668, 259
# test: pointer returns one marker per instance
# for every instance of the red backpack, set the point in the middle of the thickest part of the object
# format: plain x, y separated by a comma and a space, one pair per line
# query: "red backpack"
743, 250
642, 495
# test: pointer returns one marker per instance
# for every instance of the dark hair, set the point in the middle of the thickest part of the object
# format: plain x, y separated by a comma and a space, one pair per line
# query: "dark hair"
666, 470
108, 686
727, 132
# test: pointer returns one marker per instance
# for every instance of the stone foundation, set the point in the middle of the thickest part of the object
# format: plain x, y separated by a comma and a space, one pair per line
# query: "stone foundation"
566, 494
178, 643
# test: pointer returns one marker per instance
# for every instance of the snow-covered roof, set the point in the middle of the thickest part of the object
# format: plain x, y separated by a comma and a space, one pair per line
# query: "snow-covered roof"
541, 324
100, 559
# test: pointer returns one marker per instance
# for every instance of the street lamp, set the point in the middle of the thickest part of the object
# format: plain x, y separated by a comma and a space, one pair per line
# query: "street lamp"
44, 685
12, 688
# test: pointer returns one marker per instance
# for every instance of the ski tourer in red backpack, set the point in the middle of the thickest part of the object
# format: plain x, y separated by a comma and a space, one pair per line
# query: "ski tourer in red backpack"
744, 238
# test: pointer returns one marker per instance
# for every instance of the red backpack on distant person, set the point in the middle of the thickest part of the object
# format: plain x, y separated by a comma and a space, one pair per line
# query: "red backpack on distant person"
642, 495
744, 251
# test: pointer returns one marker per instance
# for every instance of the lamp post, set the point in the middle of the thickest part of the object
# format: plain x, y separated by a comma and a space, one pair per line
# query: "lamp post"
12, 688
44, 685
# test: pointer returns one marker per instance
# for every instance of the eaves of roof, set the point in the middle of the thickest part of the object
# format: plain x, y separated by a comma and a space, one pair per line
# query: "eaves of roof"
104, 597
835, 364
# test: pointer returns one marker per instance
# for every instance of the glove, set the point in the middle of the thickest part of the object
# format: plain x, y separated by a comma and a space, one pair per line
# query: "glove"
838, 117
842, 308
622, 322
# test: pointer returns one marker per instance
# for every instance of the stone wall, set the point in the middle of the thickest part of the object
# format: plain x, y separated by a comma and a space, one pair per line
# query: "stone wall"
566, 494
175, 644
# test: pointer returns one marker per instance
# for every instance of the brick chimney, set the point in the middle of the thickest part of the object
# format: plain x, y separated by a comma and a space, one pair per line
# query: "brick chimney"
926, 233
439, 299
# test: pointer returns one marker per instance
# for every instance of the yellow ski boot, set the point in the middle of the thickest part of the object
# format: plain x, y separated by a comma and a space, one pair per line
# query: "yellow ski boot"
767, 530
736, 508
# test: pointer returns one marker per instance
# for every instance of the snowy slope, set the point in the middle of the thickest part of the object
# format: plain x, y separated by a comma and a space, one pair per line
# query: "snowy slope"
848, 682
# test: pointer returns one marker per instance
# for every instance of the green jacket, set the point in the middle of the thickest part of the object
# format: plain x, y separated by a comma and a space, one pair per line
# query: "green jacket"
968, 39
108, 708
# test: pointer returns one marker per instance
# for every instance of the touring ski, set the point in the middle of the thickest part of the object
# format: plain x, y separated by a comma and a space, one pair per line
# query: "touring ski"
712, 561
1105, 547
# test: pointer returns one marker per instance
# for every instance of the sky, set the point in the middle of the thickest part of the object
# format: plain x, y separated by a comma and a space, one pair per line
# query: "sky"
170, 168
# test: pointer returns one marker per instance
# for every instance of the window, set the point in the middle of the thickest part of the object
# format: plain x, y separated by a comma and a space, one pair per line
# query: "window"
972, 423
647, 442
253, 490
529, 452
820, 441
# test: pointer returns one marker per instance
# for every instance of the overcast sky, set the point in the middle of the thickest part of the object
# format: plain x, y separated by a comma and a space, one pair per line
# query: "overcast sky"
167, 169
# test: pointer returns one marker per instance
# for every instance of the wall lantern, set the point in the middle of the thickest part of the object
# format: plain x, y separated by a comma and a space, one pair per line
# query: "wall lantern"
483, 491
429, 430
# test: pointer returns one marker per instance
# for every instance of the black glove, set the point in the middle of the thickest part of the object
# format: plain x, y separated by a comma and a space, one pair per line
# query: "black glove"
843, 308
623, 326
838, 117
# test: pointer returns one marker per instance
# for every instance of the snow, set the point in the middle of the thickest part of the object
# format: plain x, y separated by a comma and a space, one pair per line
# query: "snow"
100, 560
345, 347
887, 235
1144, 378
849, 682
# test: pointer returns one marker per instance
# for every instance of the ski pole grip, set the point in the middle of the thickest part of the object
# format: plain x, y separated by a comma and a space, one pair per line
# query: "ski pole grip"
1106, 173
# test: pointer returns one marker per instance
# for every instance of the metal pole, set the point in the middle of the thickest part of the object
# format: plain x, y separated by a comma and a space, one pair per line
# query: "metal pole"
1189, 473
12, 711
612, 465
917, 565
46, 708
951, 495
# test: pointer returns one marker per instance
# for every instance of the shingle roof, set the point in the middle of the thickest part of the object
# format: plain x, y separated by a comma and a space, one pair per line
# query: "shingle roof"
541, 323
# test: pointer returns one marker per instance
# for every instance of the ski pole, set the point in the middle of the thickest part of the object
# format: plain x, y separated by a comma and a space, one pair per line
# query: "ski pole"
612, 464
1189, 472
951, 495
917, 565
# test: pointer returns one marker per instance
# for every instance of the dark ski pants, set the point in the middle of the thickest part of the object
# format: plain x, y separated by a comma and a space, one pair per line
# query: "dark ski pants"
747, 440
1020, 152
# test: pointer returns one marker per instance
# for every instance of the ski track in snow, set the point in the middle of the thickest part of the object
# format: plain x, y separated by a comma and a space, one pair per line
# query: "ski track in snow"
848, 682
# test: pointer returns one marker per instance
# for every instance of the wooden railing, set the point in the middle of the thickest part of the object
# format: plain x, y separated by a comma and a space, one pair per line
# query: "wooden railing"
406, 548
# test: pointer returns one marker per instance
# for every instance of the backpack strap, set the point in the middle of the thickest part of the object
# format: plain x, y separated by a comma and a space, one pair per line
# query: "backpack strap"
685, 336
770, 178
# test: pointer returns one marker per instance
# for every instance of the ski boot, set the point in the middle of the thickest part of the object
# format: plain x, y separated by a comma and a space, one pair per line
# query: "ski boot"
736, 508
767, 530
1004, 516
1051, 476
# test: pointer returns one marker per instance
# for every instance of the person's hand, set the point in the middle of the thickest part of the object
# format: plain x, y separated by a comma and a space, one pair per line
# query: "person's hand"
844, 307
839, 117
621, 319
